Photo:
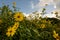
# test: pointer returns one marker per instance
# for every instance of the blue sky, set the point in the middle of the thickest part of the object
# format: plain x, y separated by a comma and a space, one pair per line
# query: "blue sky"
28, 6
23, 5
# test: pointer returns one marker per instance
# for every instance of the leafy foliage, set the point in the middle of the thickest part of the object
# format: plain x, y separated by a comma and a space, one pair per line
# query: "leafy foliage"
37, 29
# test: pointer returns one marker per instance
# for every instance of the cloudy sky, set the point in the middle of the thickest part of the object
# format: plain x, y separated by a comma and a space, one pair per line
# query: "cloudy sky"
28, 6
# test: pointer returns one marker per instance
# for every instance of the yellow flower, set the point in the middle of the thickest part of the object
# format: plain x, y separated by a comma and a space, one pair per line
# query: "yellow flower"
54, 32
18, 16
42, 26
16, 25
10, 32
55, 35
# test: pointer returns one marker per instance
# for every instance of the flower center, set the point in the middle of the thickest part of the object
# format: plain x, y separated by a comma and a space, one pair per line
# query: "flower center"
10, 31
18, 16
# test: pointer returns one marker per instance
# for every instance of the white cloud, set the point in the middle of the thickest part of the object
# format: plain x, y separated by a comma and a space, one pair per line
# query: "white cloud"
57, 3
57, 6
50, 15
26, 14
54, 6
43, 2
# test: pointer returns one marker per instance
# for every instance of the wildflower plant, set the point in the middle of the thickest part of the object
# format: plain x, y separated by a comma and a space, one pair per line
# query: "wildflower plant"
14, 26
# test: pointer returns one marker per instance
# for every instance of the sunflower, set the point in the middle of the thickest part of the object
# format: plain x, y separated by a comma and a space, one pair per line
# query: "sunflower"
18, 16
10, 32
16, 25
55, 35
42, 26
